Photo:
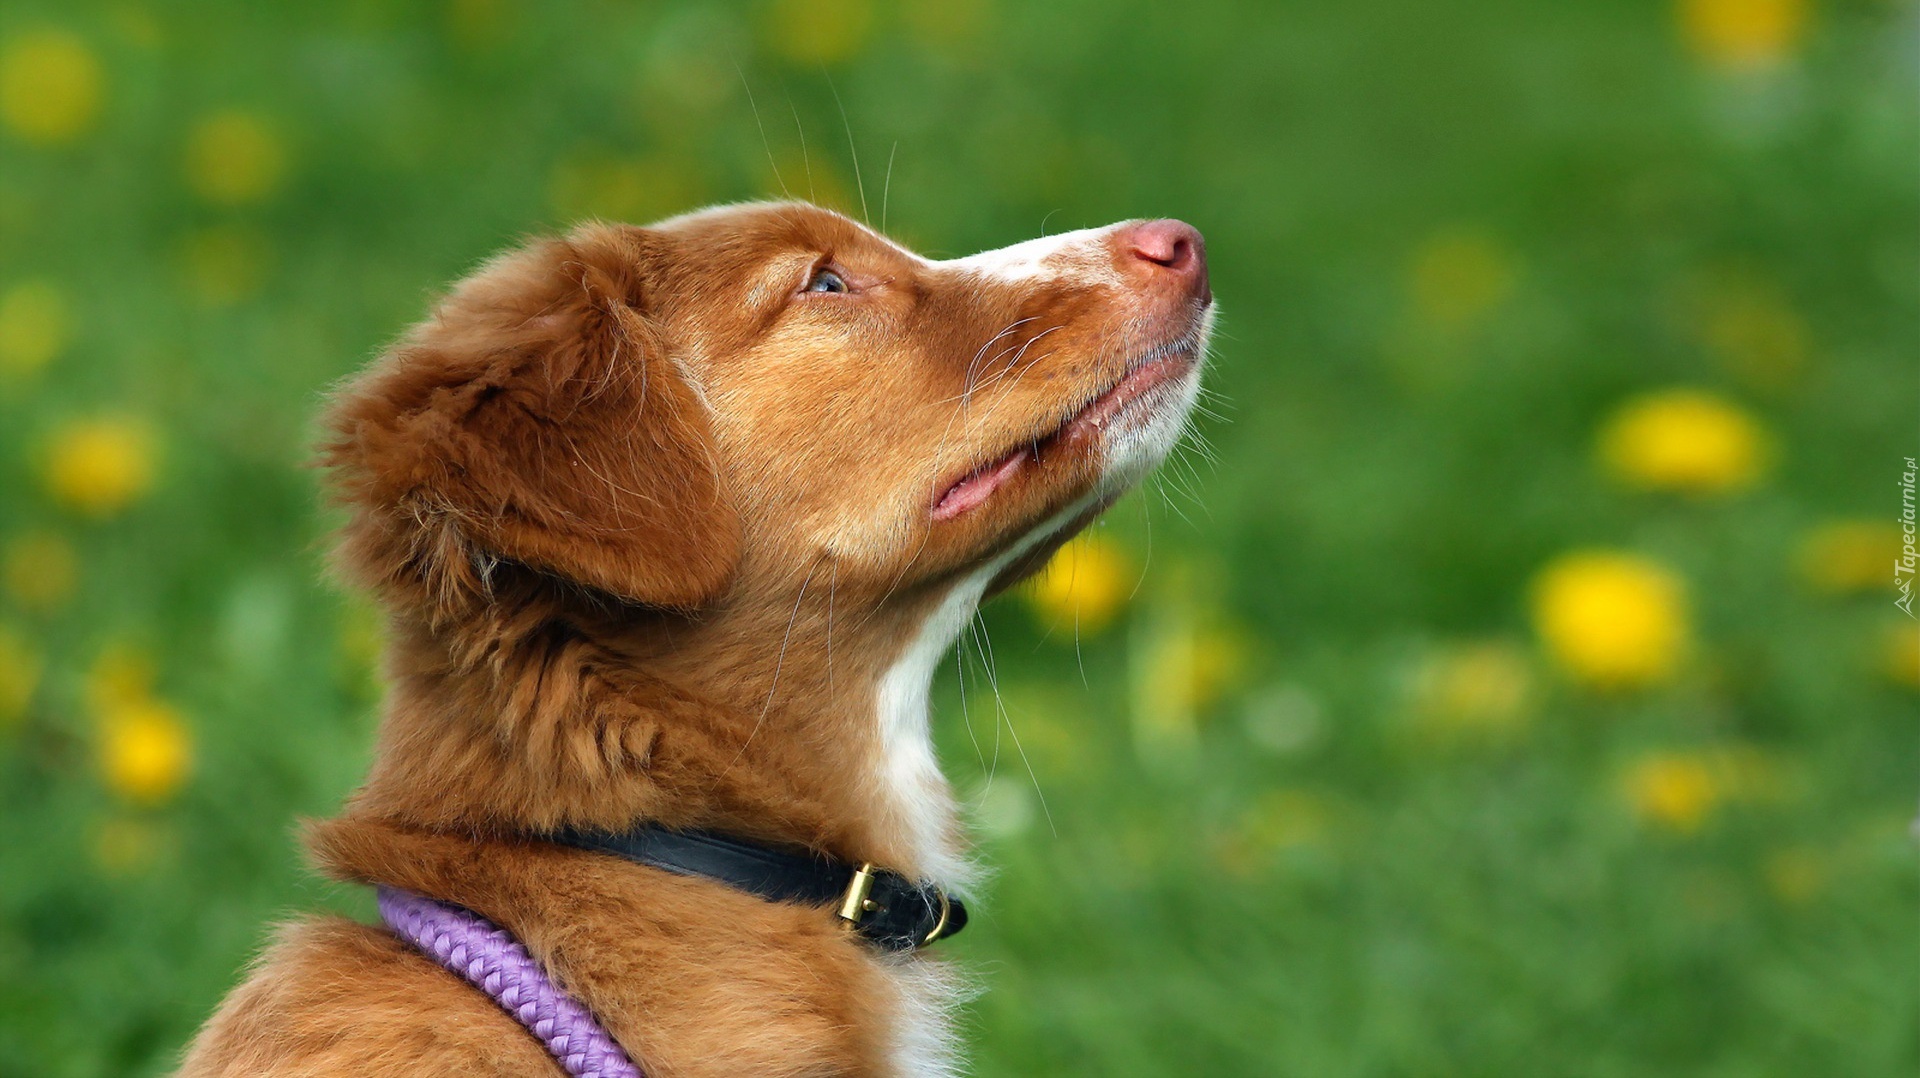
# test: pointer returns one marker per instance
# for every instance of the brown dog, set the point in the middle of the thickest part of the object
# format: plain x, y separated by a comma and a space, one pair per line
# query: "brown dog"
674, 524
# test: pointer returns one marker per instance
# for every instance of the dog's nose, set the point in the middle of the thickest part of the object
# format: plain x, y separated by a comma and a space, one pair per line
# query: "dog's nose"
1172, 247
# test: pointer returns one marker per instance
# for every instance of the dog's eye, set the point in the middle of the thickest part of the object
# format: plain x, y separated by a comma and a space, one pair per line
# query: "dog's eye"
825, 280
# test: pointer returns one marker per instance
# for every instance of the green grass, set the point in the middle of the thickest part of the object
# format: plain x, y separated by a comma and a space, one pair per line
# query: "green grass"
1353, 895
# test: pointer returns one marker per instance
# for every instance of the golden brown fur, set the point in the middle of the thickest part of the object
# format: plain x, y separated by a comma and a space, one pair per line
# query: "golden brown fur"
652, 528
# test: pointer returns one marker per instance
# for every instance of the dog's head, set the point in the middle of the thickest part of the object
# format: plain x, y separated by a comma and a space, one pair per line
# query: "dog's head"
712, 405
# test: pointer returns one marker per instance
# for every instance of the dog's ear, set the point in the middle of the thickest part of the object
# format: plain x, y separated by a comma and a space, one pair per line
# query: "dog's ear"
535, 419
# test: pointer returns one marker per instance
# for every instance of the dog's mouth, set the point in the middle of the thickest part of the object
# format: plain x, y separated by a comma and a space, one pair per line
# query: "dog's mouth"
1127, 394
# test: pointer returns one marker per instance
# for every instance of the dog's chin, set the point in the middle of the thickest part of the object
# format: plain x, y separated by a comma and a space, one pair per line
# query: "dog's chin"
1128, 437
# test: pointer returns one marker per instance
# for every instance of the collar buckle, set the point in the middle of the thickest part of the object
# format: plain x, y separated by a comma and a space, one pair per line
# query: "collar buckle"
856, 903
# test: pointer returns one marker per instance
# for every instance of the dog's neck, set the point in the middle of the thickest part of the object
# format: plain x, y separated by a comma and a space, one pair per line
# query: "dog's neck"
800, 721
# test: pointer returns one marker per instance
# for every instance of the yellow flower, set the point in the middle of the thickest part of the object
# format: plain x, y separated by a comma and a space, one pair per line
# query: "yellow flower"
1180, 668
1743, 35
1683, 440
1672, 790
1480, 690
1611, 620
34, 327
1680, 790
145, 751
51, 86
1850, 556
41, 570
1459, 276
235, 157
145, 748
225, 263
19, 676
808, 34
1083, 586
100, 466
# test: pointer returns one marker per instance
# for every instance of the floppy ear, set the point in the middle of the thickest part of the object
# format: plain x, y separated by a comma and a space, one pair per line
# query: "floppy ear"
535, 419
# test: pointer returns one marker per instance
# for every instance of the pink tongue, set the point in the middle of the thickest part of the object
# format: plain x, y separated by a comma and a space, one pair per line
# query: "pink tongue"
977, 487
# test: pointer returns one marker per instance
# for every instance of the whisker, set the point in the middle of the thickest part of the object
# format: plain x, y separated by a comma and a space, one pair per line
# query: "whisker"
852, 150
1000, 703
764, 144
887, 187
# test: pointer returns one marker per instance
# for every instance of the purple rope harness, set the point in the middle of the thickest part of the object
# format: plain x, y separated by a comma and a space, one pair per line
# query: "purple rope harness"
494, 962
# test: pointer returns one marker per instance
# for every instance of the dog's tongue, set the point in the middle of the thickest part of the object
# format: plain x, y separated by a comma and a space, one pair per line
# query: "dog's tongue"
979, 486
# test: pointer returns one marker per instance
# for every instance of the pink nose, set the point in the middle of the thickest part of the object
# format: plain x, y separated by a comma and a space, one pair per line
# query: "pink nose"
1174, 247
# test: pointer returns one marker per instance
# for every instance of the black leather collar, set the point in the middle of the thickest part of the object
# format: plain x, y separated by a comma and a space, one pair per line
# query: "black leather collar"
885, 907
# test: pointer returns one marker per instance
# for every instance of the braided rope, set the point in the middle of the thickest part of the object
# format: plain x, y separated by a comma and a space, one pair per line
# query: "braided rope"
493, 961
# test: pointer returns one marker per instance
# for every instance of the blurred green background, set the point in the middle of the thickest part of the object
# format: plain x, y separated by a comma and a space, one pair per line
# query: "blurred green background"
1511, 684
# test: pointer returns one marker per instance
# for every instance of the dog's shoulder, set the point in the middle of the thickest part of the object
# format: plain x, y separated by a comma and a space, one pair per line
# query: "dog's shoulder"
331, 996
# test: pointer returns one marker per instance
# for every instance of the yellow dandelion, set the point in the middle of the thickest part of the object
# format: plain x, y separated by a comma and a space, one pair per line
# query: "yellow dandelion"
225, 264
1743, 35
1180, 668
1683, 440
1846, 556
145, 751
1611, 620
19, 676
41, 570
1083, 586
130, 845
620, 189
1900, 654
35, 325
1459, 276
51, 87
235, 157
807, 34
1680, 790
1796, 874
1674, 791
1475, 691
98, 467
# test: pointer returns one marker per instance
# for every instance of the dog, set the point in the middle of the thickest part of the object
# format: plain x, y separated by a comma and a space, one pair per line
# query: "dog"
671, 526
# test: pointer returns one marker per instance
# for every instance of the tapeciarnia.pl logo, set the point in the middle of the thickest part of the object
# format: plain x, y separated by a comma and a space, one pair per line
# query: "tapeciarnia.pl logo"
1903, 568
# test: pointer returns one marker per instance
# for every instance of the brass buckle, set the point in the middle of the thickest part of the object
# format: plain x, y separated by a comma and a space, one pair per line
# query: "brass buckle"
855, 904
